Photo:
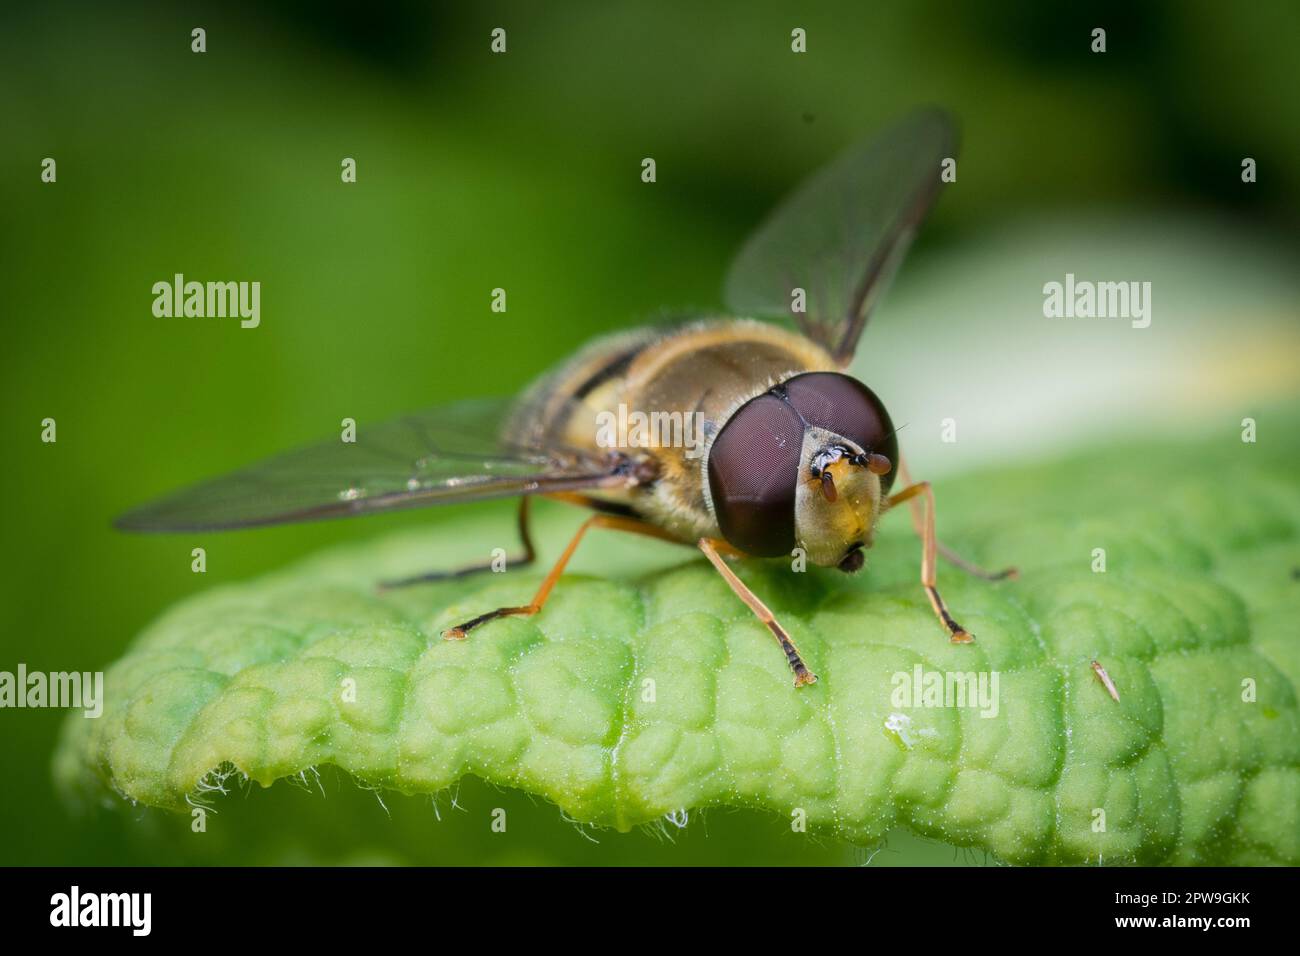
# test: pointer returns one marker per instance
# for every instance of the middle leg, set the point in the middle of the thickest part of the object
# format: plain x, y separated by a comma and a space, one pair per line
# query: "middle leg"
525, 559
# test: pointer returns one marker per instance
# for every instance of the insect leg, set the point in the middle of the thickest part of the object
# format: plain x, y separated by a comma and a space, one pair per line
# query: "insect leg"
929, 547
614, 522
592, 503
947, 553
525, 559
802, 675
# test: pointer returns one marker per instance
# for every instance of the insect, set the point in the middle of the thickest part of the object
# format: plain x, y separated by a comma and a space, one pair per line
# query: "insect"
795, 453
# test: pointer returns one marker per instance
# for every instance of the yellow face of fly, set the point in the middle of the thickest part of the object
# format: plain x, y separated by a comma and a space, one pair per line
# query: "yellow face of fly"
837, 503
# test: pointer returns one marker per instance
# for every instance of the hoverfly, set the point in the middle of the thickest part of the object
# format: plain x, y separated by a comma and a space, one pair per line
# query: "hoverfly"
796, 454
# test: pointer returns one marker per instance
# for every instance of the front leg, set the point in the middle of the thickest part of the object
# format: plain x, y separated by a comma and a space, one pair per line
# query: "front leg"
925, 528
802, 675
951, 556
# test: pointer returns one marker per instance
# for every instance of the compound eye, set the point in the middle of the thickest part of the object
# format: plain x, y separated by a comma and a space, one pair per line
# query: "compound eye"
753, 475
843, 405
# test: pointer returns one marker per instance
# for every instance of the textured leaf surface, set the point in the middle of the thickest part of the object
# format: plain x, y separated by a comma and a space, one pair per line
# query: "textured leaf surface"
1198, 596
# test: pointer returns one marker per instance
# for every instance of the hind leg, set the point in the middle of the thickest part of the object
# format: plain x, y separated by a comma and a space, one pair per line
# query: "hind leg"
614, 522
522, 560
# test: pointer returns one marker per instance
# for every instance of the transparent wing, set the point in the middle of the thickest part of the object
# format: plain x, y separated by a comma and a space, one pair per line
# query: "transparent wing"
841, 234
457, 452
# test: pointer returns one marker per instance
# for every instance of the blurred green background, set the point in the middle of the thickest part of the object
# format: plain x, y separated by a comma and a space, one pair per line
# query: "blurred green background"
522, 171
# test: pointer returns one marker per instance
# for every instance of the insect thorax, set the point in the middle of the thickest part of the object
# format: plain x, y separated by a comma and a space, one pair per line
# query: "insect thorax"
664, 394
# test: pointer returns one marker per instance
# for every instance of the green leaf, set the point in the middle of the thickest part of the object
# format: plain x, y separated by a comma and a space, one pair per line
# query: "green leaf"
1196, 606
